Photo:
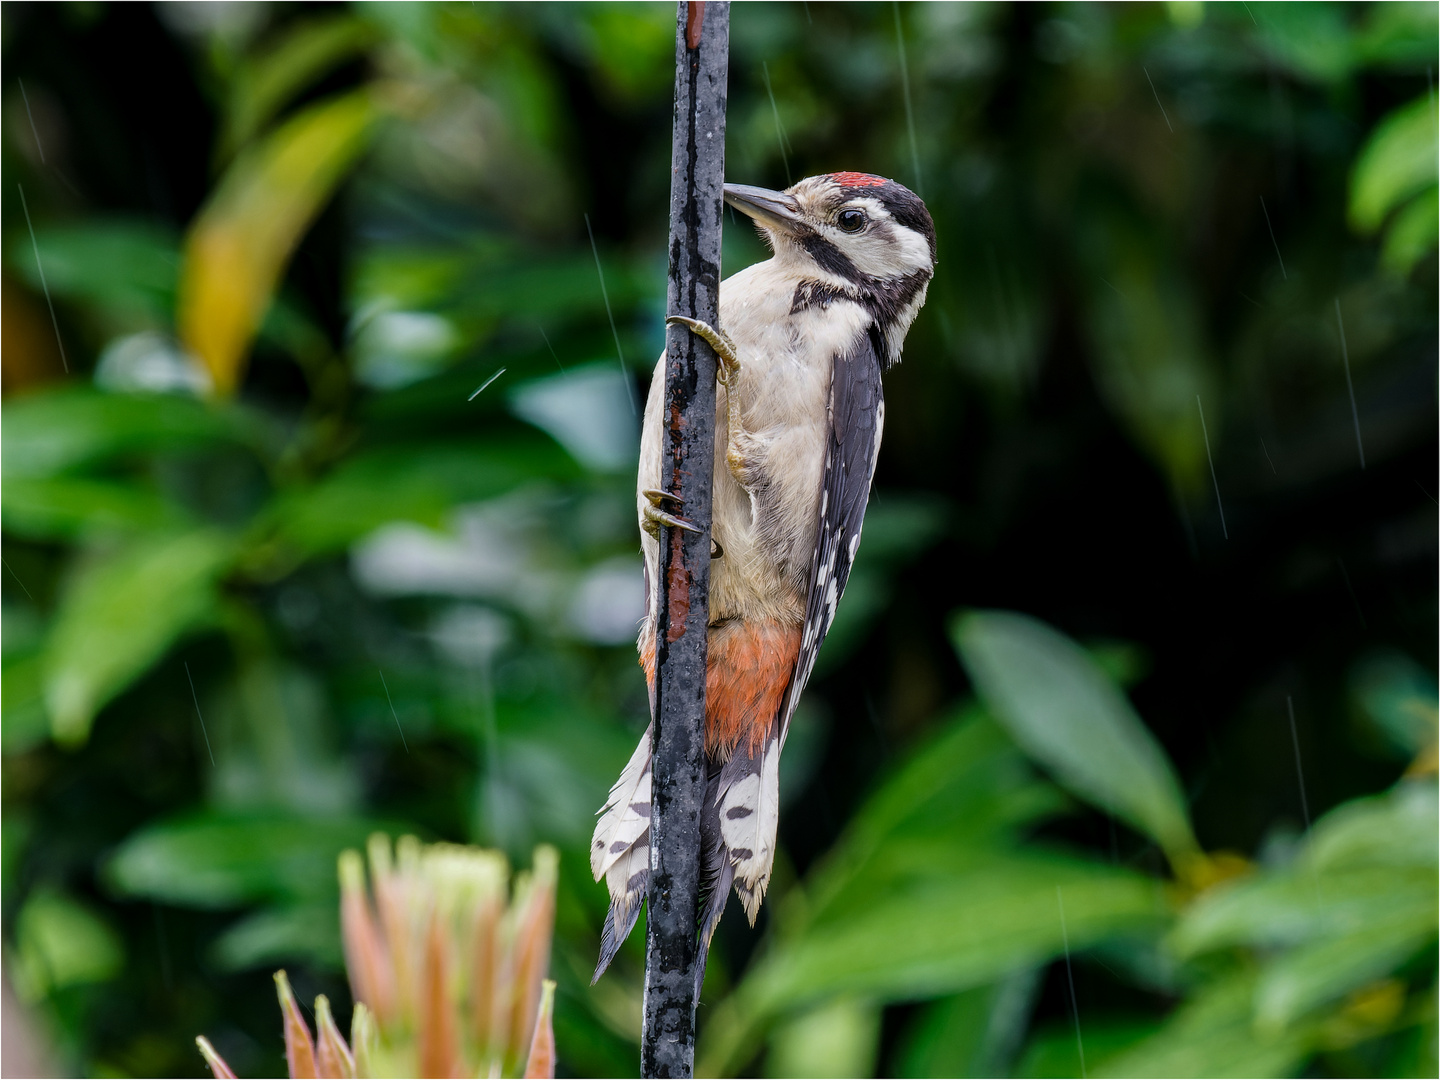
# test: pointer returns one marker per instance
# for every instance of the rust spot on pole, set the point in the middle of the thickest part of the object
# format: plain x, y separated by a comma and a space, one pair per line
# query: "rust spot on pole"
694, 23
678, 583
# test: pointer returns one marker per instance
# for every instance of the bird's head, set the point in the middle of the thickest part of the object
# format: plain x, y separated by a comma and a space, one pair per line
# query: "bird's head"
863, 229
850, 235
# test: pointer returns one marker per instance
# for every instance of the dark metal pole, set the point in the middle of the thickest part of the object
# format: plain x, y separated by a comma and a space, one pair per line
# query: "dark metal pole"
702, 46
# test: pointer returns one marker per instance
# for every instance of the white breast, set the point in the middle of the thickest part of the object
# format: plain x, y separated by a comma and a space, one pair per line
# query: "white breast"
786, 363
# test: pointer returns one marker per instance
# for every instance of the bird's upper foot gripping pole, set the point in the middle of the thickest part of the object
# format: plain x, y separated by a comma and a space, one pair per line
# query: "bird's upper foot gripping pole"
717, 340
727, 372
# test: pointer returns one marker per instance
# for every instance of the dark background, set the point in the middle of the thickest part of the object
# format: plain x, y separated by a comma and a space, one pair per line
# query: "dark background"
1096, 174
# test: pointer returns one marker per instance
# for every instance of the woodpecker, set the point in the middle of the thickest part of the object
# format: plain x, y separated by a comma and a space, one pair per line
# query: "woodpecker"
802, 342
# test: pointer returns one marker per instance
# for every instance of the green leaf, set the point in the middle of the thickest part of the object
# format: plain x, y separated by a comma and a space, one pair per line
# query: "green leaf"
961, 928
1367, 866
1057, 704
1414, 1052
587, 410
1398, 828
973, 1033
214, 860
62, 942
1411, 235
643, 35
1053, 1051
1399, 36
558, 288
838, 1038
1300, 906
930, 891
56, 431
73, 508
1396, 163
1214, 1034
420, 484
1311, 39
309, 933
127, 268
24, 724
1317, 974
120, 614
1123, 662
1399, 697
969, 788
549, 772
241, 241
281, 69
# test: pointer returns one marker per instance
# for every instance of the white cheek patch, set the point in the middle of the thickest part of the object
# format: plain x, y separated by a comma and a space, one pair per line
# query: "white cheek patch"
871, 253
886, 249
914, 249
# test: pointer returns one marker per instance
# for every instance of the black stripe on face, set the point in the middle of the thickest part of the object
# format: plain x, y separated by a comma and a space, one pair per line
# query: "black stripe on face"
830, 258
819, 294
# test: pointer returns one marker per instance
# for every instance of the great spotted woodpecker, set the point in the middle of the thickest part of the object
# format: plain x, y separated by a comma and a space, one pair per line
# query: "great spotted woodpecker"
803, 339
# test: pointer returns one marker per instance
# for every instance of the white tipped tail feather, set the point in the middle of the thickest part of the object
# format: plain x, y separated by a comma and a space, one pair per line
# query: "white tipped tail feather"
747, 810
620, 850
738, 829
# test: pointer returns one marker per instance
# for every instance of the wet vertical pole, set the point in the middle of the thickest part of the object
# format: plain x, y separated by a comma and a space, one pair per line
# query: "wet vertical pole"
702, 46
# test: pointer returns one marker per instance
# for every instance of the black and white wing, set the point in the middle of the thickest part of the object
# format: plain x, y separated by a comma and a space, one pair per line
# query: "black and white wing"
743, 806
857, 420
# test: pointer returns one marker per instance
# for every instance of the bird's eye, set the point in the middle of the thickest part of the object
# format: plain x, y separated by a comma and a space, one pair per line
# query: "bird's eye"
851, 221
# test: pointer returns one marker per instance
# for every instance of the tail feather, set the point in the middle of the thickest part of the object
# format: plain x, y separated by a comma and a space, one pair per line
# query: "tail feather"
749, 814
620, 851
627, 880
737, 830
716, 873
625, 817
714, 907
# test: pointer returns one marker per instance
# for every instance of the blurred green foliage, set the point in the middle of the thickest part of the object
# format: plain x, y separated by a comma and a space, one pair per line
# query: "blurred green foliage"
933, 892
280, 573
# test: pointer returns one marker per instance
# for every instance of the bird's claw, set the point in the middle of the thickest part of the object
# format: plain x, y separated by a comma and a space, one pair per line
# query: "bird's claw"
716, 339
655, 517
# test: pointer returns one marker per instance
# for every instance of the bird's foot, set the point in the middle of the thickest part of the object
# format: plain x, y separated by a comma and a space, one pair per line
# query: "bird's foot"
717, 340
729, 368
655, 518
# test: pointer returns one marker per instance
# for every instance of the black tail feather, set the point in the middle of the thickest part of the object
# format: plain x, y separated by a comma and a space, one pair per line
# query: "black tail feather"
714, 907
716, 873
612, 936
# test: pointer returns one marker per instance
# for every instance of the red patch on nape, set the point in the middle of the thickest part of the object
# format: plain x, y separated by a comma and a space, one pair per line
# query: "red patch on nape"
857, 179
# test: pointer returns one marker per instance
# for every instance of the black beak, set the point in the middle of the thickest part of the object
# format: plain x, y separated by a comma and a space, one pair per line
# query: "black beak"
773, 209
